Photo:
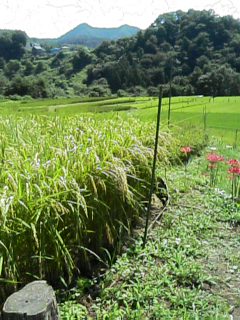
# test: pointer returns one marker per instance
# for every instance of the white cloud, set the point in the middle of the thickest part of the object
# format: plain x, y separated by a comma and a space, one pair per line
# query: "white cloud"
51, 18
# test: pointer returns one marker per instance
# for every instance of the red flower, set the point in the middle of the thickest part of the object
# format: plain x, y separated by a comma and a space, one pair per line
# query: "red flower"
234, 170
186, 150
213, 158
234, 163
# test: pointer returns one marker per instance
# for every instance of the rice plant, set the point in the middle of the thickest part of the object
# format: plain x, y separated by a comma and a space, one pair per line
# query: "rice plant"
69, 187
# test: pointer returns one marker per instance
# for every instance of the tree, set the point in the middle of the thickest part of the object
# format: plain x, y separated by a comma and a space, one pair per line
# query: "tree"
81, 59
11, 68
214, 82
19, 86
29, 68
12, 44
19, 41
2, 63
3, 83
40, 67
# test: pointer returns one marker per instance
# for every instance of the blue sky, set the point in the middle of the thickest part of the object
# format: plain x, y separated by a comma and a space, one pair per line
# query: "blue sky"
52, 18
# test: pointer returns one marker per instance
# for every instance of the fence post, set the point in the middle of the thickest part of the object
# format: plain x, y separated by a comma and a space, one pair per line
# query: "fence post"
205, 118
235, 140
205, 122
153, 167
169, 102
35, 301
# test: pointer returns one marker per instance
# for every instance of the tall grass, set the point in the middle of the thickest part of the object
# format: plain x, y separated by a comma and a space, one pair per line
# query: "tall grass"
69, 187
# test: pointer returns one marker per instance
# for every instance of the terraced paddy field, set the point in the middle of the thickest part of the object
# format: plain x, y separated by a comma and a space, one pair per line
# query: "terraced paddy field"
222, 113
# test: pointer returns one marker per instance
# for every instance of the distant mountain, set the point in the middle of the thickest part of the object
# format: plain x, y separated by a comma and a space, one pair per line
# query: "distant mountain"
89, 36
85, 31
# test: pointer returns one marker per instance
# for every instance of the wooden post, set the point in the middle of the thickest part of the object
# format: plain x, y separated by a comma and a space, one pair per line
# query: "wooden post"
36, 301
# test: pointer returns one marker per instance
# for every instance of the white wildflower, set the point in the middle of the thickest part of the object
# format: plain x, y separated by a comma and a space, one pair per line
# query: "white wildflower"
177, 240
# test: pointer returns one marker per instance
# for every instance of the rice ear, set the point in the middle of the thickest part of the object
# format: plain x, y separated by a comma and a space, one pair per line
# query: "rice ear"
69, 183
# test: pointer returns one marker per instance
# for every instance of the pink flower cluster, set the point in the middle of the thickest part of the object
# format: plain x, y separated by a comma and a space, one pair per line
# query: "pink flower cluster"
234, 164
233, 170
234, 167
186, 150
214, 158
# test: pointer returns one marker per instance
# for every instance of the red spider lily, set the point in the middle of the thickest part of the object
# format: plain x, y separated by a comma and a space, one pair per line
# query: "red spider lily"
234, 163
234, 171
186, 150
213, 158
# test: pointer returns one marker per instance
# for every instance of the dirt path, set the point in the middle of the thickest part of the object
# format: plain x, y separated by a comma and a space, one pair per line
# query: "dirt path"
222, 262
221, 259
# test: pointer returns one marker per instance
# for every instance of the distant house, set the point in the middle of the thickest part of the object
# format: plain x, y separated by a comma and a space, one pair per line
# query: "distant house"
37, 50
54, 51
65, 48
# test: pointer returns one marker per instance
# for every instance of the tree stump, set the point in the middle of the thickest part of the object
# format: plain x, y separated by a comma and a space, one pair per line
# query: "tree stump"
36, 301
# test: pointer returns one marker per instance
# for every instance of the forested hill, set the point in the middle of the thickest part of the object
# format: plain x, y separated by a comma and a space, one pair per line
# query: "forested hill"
91, 37
198, 50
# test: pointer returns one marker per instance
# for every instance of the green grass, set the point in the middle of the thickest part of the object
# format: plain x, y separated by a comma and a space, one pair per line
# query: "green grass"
223, 115
170, 278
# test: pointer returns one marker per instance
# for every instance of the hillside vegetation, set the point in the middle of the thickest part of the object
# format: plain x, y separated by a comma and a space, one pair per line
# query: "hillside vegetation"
197, 52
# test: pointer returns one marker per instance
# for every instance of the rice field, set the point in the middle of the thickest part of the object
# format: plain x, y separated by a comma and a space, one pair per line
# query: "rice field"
222, 113
75, 174
70, 188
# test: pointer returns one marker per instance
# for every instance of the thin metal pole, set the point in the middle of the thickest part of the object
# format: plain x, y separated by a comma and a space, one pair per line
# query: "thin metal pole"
236, 138
169, 102
153, 167
205, 118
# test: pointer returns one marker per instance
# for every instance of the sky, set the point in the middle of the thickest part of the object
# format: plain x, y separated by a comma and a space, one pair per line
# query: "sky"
52, 18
